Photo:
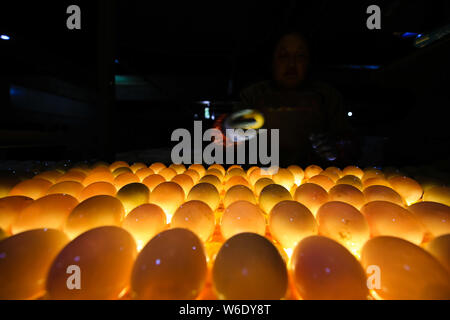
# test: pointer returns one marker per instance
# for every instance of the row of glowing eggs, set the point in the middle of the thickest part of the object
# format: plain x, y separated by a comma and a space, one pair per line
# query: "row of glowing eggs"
290, 224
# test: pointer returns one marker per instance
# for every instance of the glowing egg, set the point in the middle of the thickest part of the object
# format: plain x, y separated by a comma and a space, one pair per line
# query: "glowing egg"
376, 182
389, 219
67, 187
439, 247
351, 180
207, 193
10, 208
322, 181
3, 234
124, 179
121, 170
234, 166
199, 168
51, 176
218, 167
145, 222
290, 222
168, 173
438, 194
157, 167
152, 181
435, 217
353, 171
345, 224
169, 196
242, 216
235, 172
138, 166
103, 257
47, 212
212, 180
25, 260
285, 178
118, 164
248, 266
193, 174
255, 175
133, 195
34, 189
216, 173
235, 181
99, 176
196, 216
312, 171
98, 189
409, 189
261, 184
144, 173
271, 195
382, 193
184, 181
298, 173
372, 173
179, 168
331, 175
172, 266
406, 271
100, 164
323, 269
348, 194
212, 249
237, 193
335, 171
311, 195
94, 212
75, 176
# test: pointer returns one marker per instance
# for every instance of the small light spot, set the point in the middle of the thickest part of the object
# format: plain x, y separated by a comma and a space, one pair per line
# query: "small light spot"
194, 248
350, 114
158, 262
327, 270
76, 259
2, 255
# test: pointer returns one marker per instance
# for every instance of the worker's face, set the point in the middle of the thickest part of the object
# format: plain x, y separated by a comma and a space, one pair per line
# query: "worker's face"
291, 59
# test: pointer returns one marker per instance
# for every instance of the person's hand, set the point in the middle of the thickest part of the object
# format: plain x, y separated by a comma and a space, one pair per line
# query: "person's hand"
324, 146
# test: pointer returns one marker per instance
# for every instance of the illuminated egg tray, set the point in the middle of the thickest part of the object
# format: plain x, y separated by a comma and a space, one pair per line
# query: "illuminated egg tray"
115, 231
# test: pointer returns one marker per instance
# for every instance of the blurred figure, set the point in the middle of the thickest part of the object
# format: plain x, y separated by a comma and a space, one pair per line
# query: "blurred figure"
309, 114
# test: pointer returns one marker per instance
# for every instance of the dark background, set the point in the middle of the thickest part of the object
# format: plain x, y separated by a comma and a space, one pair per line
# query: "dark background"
137, 70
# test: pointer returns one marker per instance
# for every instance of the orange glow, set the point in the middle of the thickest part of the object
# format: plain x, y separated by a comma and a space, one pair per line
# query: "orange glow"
171, 266
34, 188
193, 174
68, 187
343, 223
298, 173
157, 167
409, 189
330, 174
199, 168
152, 181
184, 181
372, 173
207, 193
47, 212
382, 193
10, 208
168, 173
145, 222
236, 180
94, 212
118, 164
389, 219
169, 196
408, 272
124, 179
435, 217
120, 171
215, 172
138, 166
99, 176
351, 180
348, 194
102, 254
271, 195
133, 195
438, 194
179, 168
75, 176
312, 171
322, 181
237, 193
26, 260
212, 180
218, 167
98, 189
290, 222
285, 178
261, 184
311, 195
144, 173
51, 176
439, 247
376, 182
353, 171
242, 216
196, 216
